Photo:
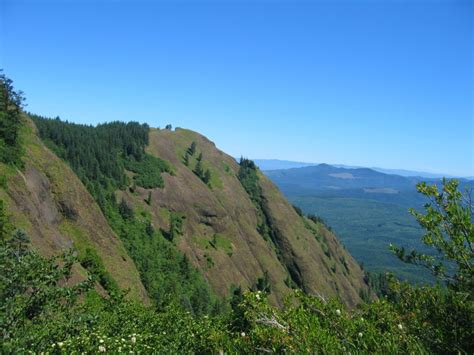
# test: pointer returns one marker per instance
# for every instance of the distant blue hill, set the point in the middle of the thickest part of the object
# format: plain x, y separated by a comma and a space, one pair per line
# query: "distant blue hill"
276, 164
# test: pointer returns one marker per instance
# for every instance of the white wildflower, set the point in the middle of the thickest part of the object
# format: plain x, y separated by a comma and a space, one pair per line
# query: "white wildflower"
102, 349
101, 341
242, 334
360, 335
134, 339
60, 344
338, 312
400, 326
257, 296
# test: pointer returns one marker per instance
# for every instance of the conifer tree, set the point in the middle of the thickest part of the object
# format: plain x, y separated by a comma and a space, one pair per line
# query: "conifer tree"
125, 210
207, 177
198, 170
192, 148
148, 199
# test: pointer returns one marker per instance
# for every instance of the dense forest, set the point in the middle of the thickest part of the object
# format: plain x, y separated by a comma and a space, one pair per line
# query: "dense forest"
41, 312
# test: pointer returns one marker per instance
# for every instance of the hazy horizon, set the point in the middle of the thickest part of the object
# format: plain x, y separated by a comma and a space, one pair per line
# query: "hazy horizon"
347, 166
359, 83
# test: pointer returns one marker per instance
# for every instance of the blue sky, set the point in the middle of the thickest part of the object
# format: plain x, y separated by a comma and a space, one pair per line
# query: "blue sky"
370, 83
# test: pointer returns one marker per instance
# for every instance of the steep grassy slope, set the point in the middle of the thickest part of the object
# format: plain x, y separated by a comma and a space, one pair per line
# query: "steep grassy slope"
237, 229
220, 226
50, 203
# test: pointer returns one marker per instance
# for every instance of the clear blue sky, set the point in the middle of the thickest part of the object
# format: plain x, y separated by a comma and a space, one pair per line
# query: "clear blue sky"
371, 83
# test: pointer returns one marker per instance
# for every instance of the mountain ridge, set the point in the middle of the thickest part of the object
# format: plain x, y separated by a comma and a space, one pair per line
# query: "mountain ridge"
277, 164
233, 235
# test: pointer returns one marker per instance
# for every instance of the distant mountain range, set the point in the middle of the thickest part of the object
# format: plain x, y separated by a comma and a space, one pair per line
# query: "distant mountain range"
276, 164
368, 209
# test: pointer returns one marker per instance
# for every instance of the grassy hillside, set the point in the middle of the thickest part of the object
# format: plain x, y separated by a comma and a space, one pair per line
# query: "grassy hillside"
221, 226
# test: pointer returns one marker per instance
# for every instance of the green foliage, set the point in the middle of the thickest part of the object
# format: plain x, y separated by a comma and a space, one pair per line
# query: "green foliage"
5, 226
149, 229
176, 225
198, 169
186, 159
192, 148
441, 318
449, 227
206, 178
125, 210
165, 272
10, 122
93, 263
148, 171
35, 303
263, 284
249, 179
3, 181
379, 283
100, 155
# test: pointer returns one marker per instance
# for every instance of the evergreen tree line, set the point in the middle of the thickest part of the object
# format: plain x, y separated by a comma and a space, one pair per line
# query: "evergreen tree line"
101, 154
10, 122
